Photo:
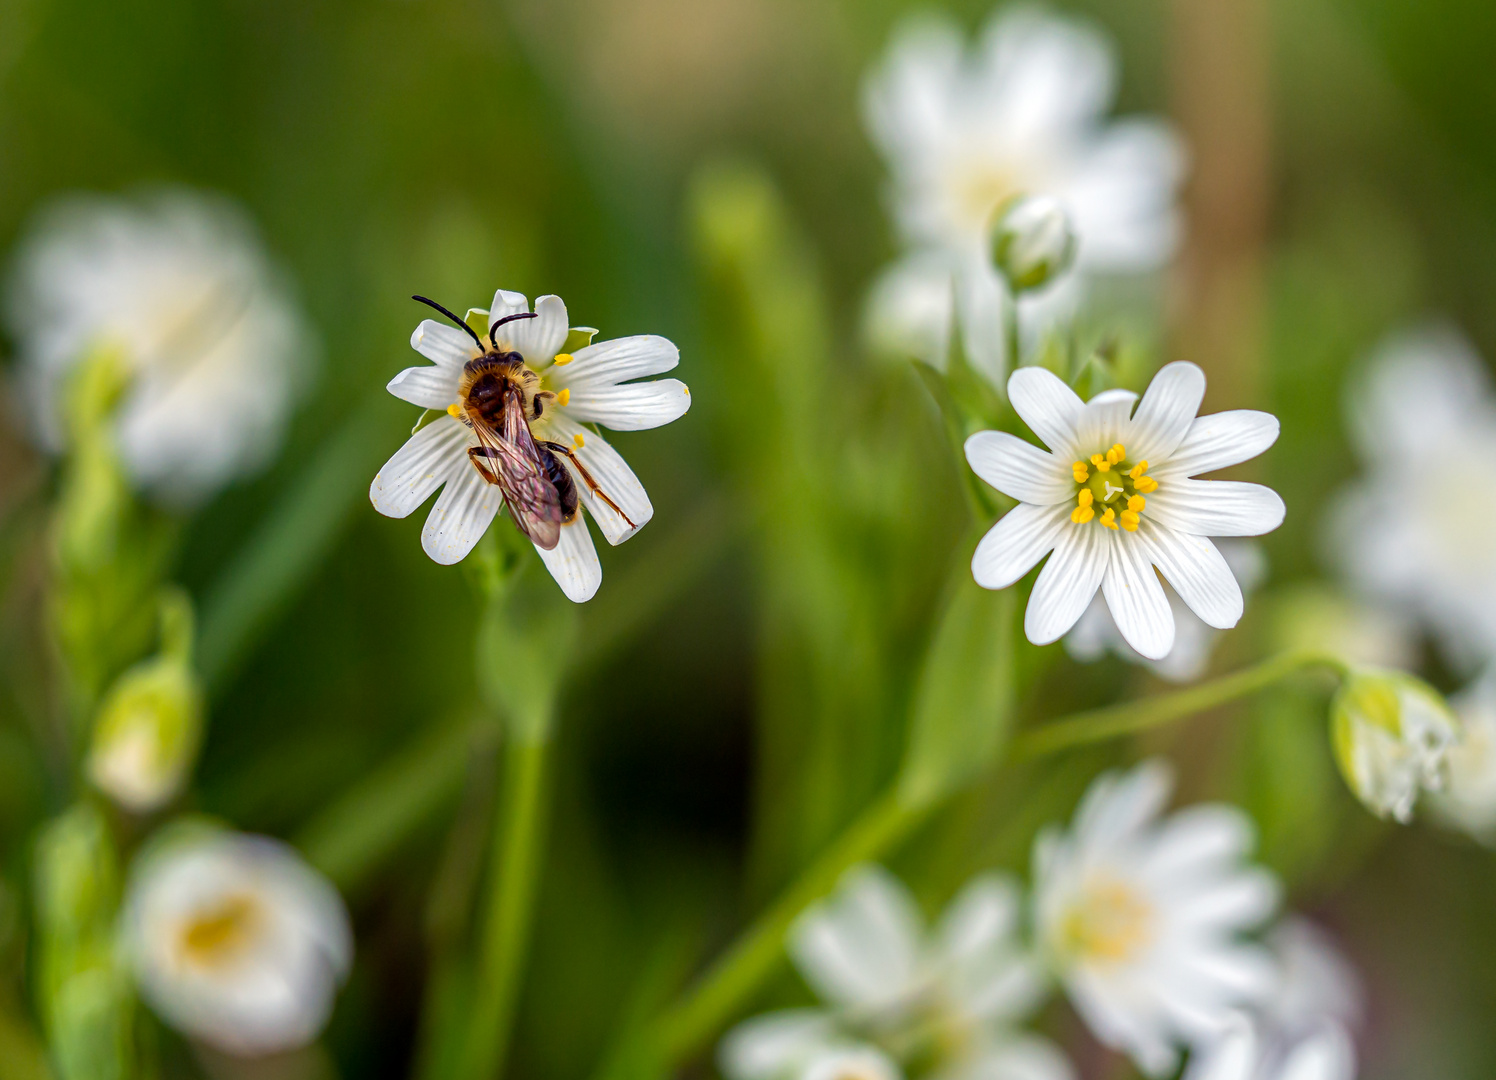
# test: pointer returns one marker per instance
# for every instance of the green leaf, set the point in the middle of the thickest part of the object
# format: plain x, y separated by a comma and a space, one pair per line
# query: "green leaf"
963, 701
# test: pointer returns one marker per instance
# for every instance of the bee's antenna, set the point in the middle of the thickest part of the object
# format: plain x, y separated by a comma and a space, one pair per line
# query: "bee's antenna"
462, 325
508, 318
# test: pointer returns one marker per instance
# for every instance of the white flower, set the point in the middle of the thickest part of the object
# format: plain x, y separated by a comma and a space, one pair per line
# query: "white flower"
1114, 499
1468, 800
1023, 113
1140, 917
951, 995
235, 940
567, 391
1414, 531
179, 282
1241, 1054
1097, 632
800, 1044
1392, 735
1316, 983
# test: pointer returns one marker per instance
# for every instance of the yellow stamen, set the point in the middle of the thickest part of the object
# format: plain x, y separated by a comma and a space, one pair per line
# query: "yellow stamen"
454, 410
1130, 520
1082, 474
1082, 514
1136, 504
1137, 471
577, 438
1085, 497
564, 395
1109, 519
1116, 453
562, 358
1101, 463
1146, 484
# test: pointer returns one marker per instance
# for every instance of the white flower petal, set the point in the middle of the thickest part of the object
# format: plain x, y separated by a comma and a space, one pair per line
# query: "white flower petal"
448, 347
1017, 1057
982, 302
1232, 1057
1120, 803
428, 458
911, 309
507, 303
1198, 572
609, 363
632, 407
987, 974
573, 562
1021, 537
1067, 582
459, 517
1328, 1055
426, 386
1136, 599
539, 339
1049, 407
1216, 508
1200, 840
1166, 412
1104, 422
1217, 441
767, 1047
1019, 469
860, 947
612, 474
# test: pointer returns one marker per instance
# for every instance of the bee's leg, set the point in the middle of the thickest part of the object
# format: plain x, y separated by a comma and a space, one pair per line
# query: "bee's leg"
476, 453
587, 479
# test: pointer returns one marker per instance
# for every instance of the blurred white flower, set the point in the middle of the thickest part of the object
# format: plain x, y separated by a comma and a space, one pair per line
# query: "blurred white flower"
1097, 632
1414, 531
565, 392
235, 940
964, 132
1468, 800
1392, 735
800, 1044
216, 349
1141, 917
951, 995
1242, 1054
1316, 984
1114, 499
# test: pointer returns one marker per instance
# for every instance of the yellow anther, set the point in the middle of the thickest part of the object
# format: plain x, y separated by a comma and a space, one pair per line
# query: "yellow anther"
577, 438
1082, 514
1101, 463
1130, 520
1137, 471
454, 409
562, 358
1082, 474
564, 395
1116, 453
1136, 503
1086, 497
1146, 484
1109, 519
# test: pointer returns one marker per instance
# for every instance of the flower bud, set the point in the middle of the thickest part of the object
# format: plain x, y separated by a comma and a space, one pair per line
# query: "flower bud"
1392, 734
1033, 243
148, 729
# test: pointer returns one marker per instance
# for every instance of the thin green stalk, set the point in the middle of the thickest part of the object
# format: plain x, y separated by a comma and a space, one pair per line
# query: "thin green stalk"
1097, 725
508, 906
752, 958
723, 990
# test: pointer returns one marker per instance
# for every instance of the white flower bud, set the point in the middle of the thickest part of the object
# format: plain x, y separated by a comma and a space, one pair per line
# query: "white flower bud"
1033, 243
148, 729
1392, 735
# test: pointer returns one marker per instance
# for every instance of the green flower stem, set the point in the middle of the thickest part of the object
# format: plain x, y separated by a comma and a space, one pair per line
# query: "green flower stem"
722, 991
508, 905
1084, 728
719, 992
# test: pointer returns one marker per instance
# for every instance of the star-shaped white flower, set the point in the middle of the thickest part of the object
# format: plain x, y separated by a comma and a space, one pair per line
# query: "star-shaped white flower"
1141, 917
235, 940
1416, 531
590, 385
1114, 497
216, 350
964, 132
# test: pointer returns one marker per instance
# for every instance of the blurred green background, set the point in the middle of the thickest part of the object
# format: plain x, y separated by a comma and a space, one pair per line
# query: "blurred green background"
1345, 183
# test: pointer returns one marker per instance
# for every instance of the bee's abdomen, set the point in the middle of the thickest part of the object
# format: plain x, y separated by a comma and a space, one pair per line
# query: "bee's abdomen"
561, 480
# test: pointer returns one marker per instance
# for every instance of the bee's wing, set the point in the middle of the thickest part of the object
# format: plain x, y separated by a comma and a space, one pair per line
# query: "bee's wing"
532, 499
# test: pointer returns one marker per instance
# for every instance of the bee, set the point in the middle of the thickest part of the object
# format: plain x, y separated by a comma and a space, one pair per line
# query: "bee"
498, 397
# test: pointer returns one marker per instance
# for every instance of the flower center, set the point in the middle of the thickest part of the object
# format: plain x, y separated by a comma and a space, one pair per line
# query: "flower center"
1114, 486
1110, 923
980, 187
214, 935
